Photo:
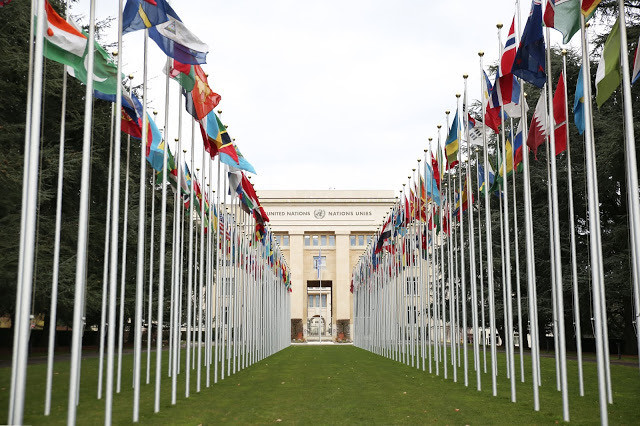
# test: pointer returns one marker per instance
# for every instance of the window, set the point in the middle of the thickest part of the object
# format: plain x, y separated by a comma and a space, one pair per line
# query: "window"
368, 239
310, 301
353, 240
323, 240
317, 300
322, 260
360, 240
332, 240
324, 300
285, 241
307, 240
315, 240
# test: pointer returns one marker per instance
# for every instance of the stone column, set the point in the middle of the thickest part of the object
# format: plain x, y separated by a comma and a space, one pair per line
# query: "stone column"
343, 279
298, 283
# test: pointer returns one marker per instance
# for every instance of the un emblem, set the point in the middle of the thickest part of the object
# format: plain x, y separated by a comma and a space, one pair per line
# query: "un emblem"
319, 213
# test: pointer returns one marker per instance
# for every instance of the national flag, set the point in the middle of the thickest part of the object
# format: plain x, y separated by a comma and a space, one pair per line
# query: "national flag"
508, 149
432, 187
538, 130
465, 202
560, 116
509, 52
201, 100
155, 146
506, 93
529, 63
4, 2
517, 146
241, 164
141, 14
608, 73
474, 127
549, 14
436, 170
65, 43
131, 113
176, 41
481, 182
565, 17
578, 104
636, 64
589, 6
215, 137
492, 115
184, 74
385, 234
451, 145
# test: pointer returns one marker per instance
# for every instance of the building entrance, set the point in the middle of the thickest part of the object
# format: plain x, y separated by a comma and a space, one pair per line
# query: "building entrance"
319, 311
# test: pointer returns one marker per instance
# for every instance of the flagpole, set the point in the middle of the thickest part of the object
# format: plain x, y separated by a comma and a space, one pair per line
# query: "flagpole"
151, 253
516, 251
28, 216
56, 260
218, 280
595, 247
463, 287
631, 164
489, 242
472, 260
556, 244
429, 259
574, 267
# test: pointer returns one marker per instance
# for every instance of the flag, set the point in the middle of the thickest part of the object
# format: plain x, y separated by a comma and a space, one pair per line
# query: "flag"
636, 65
474, 127
481, 183
608, 73
538, 128
201, 100
215, 137
508, 149
529, 63
517, 146
451, 145
436, 170
506, 93
131, 113
141, 14
578, 104
155, 146
560, 116
549, 13
465, 202
241, 164
65, 43
4, 2
432, 187
565, 17
184, 74
492, 115
509, 52
176, 41
589, 6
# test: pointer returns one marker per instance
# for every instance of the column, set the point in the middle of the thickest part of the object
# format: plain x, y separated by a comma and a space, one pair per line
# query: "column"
298, 283
341, 285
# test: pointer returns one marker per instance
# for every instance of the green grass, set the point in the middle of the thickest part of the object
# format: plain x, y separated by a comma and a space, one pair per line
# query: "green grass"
335, 384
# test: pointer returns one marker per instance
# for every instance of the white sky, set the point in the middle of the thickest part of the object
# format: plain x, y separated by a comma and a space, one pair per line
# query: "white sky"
329, 94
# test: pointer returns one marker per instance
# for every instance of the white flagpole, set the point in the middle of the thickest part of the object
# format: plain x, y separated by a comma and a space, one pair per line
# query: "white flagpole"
190, 296
489, 242
631, 165
595, 247
83, 221
572, 227
463, 279
56, 261
151, 253
482, 316
556, 243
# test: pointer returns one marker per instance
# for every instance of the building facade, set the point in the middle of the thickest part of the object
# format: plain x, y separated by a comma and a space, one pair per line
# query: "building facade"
322, 234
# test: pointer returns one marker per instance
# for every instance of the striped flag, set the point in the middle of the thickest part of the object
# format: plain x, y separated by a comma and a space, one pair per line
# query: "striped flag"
608, 73
636, 65
509, 52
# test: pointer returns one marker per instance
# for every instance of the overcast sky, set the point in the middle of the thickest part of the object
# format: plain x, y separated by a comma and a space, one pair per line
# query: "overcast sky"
329, 94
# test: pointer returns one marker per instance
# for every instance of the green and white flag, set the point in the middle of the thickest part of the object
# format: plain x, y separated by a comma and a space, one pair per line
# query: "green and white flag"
567, 18
65, 43
608, 73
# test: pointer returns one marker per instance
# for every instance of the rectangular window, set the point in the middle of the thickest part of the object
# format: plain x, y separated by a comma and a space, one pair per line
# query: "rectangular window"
315, 240
317, 300
322, 260
324, 300
285, 241
360, 240
323, 240
307, 240
332, 240
310, 301
353, 240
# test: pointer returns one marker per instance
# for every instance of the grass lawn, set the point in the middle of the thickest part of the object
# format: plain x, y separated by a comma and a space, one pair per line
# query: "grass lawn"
335, 384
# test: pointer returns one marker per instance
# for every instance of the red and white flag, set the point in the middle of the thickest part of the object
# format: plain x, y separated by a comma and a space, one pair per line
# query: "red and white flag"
538, 131
549, 16
560, 116
636, 65
509, 53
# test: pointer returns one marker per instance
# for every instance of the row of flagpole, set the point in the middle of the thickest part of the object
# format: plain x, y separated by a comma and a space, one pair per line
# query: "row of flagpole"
422, 240
237, 281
